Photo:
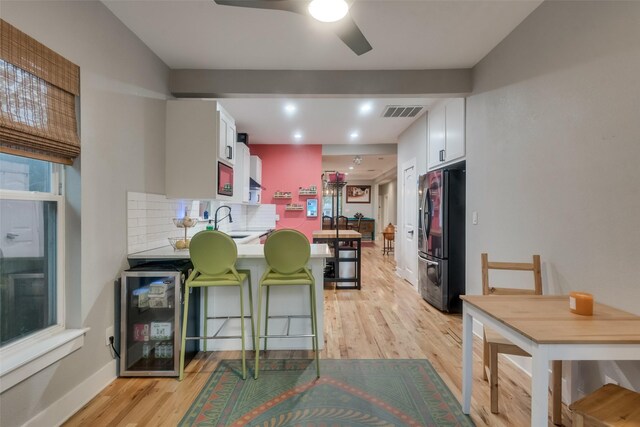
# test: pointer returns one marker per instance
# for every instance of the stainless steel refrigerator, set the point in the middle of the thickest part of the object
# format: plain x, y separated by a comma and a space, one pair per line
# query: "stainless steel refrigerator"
441, 237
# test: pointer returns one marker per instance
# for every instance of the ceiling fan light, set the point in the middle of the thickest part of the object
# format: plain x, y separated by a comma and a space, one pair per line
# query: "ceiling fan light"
328, 10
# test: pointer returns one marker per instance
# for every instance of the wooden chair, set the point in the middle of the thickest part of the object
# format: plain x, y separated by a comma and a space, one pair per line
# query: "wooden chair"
356, 226
327, 222
495, 343
342, 222
610, 405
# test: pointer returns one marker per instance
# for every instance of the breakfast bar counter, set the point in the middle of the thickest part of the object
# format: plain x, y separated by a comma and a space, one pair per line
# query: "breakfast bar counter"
223, 301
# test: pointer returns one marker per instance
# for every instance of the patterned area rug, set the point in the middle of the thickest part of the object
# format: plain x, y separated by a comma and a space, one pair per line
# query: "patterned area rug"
348, 393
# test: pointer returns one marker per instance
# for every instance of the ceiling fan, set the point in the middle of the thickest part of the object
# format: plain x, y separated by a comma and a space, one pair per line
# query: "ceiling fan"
334, 11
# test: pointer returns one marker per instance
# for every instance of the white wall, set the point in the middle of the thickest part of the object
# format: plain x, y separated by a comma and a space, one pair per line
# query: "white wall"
552, 157
412, 144
122, 114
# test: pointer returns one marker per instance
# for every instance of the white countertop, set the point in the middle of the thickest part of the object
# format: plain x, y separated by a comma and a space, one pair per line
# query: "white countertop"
244, 251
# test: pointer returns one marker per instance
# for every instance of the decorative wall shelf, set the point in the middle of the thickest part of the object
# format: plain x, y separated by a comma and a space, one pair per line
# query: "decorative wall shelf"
282, 195
311, 191
294, 207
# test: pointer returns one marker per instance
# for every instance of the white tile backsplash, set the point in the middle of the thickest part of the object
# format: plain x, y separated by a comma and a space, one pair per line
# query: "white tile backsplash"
150, 219
260, 217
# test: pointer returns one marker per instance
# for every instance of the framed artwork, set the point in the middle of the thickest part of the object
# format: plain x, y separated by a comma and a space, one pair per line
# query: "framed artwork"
358, 194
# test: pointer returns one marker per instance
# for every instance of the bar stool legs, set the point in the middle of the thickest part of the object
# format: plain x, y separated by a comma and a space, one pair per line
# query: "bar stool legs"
205, 337
312, 316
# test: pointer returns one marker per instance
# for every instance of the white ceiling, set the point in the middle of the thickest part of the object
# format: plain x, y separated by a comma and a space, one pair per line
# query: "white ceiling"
405, 34
319, 120
369, 168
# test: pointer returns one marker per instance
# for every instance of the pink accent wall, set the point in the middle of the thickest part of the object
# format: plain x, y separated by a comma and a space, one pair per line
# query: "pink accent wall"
287, 168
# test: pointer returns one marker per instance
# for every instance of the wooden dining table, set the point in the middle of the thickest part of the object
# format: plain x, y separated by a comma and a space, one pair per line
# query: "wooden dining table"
544, 327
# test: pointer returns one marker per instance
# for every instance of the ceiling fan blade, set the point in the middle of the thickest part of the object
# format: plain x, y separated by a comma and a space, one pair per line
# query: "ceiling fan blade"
351, 35
346, 29
295, 6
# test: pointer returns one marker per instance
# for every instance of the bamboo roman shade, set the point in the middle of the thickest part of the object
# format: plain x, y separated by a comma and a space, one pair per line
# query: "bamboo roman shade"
38, 90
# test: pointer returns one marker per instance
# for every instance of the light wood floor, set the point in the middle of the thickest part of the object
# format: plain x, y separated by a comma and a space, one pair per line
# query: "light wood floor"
386, 319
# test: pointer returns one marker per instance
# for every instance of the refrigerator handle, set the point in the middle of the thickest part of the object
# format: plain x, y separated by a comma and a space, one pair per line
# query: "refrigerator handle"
427, 218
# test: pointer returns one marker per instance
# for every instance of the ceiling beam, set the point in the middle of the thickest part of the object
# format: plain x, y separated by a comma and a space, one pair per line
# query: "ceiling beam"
358, 149
327, 83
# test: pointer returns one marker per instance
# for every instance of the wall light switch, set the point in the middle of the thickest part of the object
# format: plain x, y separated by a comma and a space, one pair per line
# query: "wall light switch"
475, 217
277, 217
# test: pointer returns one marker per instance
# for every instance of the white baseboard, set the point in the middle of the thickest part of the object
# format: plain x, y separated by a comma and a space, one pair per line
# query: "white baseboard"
70, 403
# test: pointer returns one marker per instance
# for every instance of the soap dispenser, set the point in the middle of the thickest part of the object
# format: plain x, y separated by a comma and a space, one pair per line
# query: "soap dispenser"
210, 226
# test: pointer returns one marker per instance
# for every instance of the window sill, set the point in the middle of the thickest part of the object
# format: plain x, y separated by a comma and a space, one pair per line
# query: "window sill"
26, 361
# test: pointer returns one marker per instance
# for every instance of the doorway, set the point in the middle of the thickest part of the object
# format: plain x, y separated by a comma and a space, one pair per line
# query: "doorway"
408, 236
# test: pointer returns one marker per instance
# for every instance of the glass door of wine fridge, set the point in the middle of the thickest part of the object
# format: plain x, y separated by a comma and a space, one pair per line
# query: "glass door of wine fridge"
151, 323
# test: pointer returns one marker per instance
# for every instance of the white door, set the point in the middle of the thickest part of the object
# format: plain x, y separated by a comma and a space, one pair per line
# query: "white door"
408, 238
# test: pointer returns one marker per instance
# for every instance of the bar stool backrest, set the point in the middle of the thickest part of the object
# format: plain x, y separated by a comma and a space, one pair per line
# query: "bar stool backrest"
213, 252
287, 251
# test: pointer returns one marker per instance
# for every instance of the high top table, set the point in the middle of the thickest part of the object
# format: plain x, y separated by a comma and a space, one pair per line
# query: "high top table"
335, 240
544, 327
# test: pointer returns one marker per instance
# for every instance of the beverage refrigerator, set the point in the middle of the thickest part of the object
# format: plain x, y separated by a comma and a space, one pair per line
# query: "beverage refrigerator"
441, 237
151, 310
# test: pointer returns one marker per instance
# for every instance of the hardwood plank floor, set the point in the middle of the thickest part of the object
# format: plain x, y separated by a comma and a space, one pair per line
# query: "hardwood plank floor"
386, 319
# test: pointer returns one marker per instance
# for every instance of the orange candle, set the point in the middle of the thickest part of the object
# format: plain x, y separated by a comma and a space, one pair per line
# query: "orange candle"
581, 303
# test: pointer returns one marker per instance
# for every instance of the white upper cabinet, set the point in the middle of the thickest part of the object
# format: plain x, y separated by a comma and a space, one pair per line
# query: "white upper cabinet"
437, 132
446, 133
241, 174
200, 138
255, 173
227, 138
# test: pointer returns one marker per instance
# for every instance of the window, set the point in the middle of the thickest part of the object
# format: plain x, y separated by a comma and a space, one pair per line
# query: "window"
39, 90
31, 212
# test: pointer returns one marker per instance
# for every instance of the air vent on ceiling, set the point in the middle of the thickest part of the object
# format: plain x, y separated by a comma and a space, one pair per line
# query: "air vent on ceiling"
401, 110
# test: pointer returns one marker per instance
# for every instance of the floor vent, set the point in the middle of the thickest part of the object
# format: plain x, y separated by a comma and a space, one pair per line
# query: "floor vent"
401, 110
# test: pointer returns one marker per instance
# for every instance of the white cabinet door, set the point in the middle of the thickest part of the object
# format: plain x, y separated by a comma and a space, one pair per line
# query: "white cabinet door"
437, 135
246, 160
226, 138
231, 142
455, 132
241, 174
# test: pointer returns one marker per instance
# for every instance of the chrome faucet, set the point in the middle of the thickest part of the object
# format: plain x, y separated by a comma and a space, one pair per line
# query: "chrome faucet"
215, 216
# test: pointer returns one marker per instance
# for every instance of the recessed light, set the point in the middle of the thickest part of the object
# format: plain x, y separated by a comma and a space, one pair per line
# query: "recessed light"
354, 135
346, 173
290, 109
366, 108
350, 167
297, 136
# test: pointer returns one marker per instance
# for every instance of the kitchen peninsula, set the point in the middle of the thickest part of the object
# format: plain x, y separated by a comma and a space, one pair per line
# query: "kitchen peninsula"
283, 300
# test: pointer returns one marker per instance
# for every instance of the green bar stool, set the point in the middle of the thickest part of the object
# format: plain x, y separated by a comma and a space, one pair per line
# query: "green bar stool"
214, 256
287, 253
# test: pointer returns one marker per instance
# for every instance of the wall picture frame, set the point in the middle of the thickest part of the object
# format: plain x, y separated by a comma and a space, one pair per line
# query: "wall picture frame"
358, 194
